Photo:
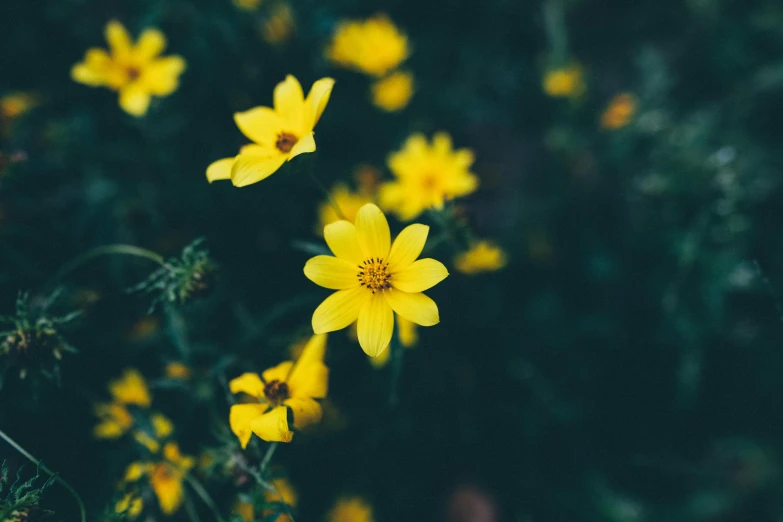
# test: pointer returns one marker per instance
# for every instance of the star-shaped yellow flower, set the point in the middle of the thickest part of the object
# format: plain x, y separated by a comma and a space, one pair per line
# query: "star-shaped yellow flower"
137, 72
278, 134
374, 279
285, 387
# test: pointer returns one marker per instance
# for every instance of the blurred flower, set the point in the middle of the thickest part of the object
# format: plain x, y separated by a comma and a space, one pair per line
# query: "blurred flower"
17, 103
373, 46
278, 25
130, 388
161, 426
247, 5
426, 176
483, 256
144, 328
284, 493
136, 71
286, 386
114, 417
114, 420
393, 92
619, 111
564, 82
347, 200
130, 504
278, 134
350, 509
165, 476
177, 370
244, 509
370, 289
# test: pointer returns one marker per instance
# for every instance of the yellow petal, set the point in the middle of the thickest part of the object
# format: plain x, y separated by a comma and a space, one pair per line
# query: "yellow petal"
261, 124
249, 383
421, 275
407, 246
289, 102
331, 272
119, 40
375, 325
406, 330
306, 411
161, 77
310, 376
343, 241
220, 169
134, 99
150, 44
249, 169
339, 309
373, 232
134, 471
147, 441
304, 145
130, 388
279, 372
167, 485
240, 418
316, 101
417, 308
162, 426
93, 70
273, 426
382, 359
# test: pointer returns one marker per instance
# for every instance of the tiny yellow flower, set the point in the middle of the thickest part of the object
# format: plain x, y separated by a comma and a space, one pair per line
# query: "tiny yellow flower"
483, 256
165, 476
347, 200
278, 134
374, 279
247, 5
351, 509
564, 82
177, 370
619, 111
137, 72
393, 92
114, 417
426, 176
16, 104
286, 386
279, 25
131, 388
373, 46
129, 504
114, 421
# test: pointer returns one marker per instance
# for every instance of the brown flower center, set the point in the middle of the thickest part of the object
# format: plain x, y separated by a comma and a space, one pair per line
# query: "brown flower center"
285, 141
276, 391
429, 182
374, 274
133, 73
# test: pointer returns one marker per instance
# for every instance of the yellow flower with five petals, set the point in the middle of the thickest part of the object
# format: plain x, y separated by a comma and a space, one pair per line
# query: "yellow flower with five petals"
374, 278
278, 133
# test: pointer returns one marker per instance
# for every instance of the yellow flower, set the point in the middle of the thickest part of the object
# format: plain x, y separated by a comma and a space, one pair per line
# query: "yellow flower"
619, 111
349, 202
285, 387
114, 417
483, 256
279, 25
247, 5
351, 509
284, 492
15, 104
564, 82
278, 134
130, 505
165, 476
393, 92
137, 72
374, 279
244, 509
373, 46
161, 428
130, 389
177, 370
426, 176
115, 420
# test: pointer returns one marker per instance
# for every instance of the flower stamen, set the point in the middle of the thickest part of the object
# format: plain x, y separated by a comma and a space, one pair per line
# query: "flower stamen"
285, 141
374, 274
276, 391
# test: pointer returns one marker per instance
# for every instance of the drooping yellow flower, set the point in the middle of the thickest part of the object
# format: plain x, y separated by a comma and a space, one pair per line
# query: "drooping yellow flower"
564, 82
131, 388
136, 71
393, 92
278, 25
619, 111
351, 509
374, 279
165, 476
177, 370
129, 504
483, 256
247, 5
426, 176
373, 46
285, 387
278, 134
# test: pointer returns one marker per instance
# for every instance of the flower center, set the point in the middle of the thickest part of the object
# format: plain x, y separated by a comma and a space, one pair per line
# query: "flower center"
374, 274
285, 141
133, 73
276, 391
429, 182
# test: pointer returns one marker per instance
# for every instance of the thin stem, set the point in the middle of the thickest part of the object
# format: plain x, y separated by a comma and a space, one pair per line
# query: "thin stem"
202, 493
128, 250
37, 462
328, 195
270, 450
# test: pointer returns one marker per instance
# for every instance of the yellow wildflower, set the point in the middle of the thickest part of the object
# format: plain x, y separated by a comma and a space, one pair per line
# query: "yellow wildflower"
564, 82
347, 200
286, 386
279, 25
278, 134
161, 428
284, 492
244, 509
137, 72
426, 176
374, 279
165, 476
130, 504
114, 421
351, 509
131, 388
114, 418
177, 370
483, 256
619, 111
373, 46
393, 92
247, 5
17, 103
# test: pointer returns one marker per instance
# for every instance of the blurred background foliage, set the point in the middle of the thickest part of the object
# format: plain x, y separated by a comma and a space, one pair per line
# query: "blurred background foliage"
624, 366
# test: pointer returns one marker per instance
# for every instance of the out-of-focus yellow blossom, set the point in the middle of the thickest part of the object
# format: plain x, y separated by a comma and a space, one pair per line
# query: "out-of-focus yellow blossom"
244, 509
114, 417
247, 5
144, 328
351, 509
16, 104
162, 427
177, 370
284, 492
131, 388
408, 336
288, 385
393, 92
374, 278
136, 71
279, 24
619, 111
373, 46
114, 421
564, 82
483, 256
278, 134
347, 200
165, 476
426, 176
129, 504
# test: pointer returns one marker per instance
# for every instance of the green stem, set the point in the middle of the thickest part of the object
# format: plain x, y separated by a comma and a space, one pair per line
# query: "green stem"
328, 195
270, 450
37, 462
128, 250
202, 493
